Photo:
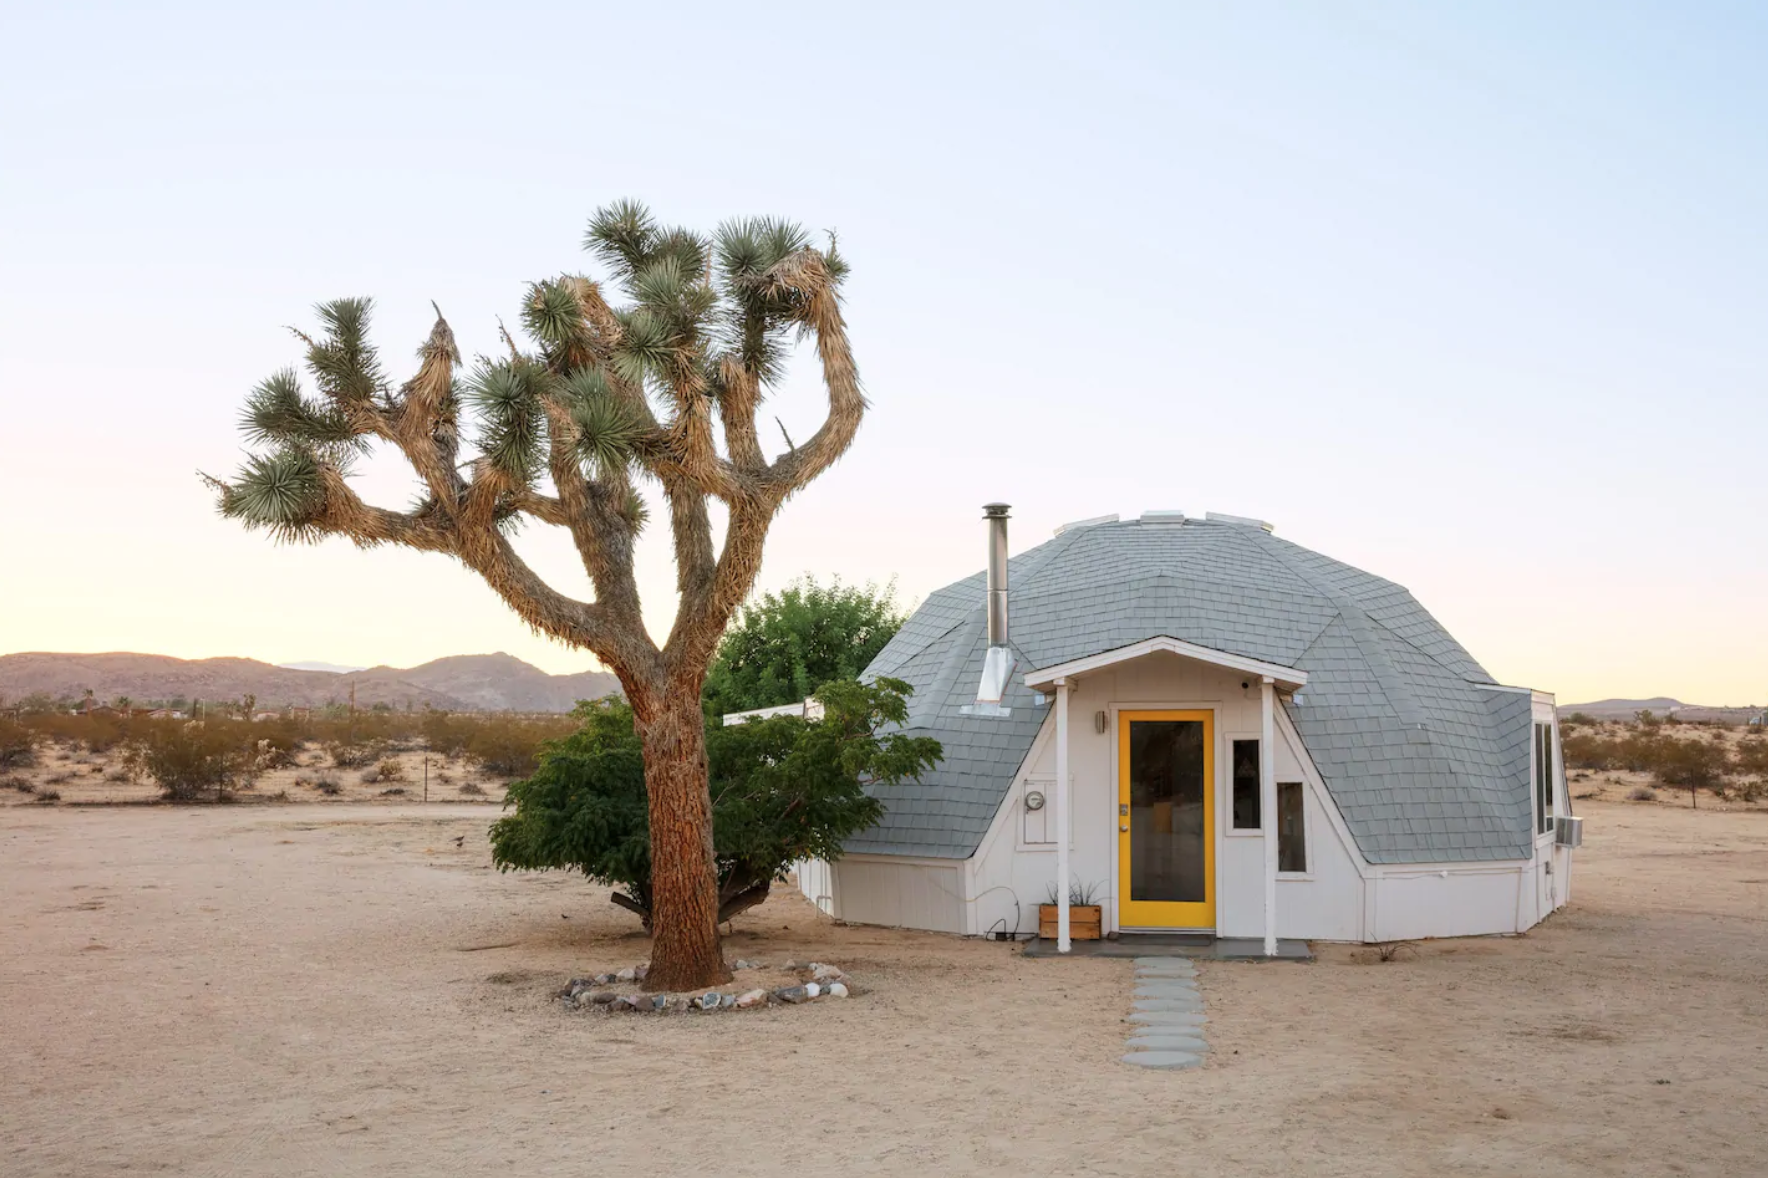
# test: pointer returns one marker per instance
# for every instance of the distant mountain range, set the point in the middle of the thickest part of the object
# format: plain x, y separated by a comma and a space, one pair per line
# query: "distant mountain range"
473, 682
1662, 705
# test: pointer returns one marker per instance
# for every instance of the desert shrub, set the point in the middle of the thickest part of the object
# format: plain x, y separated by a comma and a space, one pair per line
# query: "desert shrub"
507, 746
352, 755
390, 769
195, 761
18, 745
1752, 791
1578, 720
783, 789
1752, 758
60, 778
1691, 765
1642, 793
396, 791
18, 783
328, 785
468, 789
48, 796
1588, 750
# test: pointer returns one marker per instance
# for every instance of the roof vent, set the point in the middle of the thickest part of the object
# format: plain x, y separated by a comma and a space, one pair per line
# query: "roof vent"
1087, 523
1163, 517
1216, 517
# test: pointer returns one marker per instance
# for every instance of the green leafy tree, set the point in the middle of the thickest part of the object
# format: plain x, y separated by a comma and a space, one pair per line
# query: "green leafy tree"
784, 647
782, 789
663, 391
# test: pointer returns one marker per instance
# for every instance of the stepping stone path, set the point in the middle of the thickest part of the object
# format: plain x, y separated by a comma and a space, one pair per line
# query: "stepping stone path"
1168, 1017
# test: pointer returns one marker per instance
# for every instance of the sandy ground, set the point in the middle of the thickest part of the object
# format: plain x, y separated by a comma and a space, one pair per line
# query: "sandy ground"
340, 990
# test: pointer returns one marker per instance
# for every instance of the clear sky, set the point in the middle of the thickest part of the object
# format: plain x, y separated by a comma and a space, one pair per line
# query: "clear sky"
1472, 296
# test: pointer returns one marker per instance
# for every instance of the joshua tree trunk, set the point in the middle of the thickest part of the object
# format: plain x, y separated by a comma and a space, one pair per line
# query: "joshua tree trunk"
684, 877
607, 396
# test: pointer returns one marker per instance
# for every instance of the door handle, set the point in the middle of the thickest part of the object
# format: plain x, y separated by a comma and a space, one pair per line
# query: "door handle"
1123, 830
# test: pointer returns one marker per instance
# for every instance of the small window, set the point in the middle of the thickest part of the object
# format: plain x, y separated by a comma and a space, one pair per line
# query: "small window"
1246, 791
1292, 839
1544, 777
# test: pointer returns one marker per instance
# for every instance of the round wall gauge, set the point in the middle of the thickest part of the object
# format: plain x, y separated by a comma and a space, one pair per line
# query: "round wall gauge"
1034, 800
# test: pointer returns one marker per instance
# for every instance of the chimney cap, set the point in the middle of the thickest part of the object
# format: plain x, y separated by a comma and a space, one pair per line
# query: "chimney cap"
995, 510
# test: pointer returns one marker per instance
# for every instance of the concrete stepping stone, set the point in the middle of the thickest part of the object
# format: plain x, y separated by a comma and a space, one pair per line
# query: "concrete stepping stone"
1170, 1018
1163, 1060
1165, 990
1174, 1042
1167, 1017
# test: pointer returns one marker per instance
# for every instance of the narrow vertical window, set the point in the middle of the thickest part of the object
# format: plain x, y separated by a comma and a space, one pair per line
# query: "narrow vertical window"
1292, 842
1546, 778
1543, 778
1246, 786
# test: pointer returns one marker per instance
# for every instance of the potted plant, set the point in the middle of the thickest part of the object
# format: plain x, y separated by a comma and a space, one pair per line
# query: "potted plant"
1085, 917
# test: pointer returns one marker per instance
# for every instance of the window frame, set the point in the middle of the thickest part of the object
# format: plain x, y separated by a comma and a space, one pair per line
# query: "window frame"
1230, 829
1301, 793
1545, 810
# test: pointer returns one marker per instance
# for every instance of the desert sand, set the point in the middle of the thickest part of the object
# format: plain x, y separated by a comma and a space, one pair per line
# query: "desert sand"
341, 990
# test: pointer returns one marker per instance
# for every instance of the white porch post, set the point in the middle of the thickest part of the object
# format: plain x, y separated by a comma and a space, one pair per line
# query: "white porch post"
1267, 788
1062, 942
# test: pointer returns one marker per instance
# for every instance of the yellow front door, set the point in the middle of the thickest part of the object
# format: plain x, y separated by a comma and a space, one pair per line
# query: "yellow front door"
1166, 820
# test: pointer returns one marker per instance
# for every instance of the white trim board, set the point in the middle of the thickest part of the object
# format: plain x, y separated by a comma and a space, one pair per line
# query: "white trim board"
1286, 677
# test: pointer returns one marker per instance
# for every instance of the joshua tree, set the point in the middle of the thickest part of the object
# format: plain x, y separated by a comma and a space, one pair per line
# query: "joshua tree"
604, 400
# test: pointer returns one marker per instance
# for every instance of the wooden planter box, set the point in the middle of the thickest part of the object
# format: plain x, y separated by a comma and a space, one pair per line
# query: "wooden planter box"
1085, 922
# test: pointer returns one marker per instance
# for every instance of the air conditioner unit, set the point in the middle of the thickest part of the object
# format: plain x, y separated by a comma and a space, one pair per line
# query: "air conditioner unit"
1568, 832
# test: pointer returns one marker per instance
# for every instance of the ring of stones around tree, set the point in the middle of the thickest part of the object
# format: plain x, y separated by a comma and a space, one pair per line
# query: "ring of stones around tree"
604, 993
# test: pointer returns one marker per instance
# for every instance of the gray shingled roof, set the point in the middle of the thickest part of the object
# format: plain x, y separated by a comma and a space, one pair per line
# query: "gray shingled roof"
1427, 760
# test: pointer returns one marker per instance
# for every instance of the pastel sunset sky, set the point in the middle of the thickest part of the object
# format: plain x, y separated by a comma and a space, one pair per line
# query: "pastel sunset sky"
1474, 297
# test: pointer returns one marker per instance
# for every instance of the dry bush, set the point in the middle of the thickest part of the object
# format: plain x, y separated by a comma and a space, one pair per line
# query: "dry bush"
18, 745
390, 769
398, 791
328, 785
196, 761
59, 778
469, 790
1642, 793
48, 796
18, 783
352, 756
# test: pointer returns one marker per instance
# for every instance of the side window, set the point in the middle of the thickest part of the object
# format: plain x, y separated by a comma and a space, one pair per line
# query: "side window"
1246, 791
1544, 777
1292, 842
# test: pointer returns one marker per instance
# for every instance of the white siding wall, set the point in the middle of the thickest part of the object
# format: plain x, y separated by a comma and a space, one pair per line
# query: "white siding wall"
899, 893
1012, 876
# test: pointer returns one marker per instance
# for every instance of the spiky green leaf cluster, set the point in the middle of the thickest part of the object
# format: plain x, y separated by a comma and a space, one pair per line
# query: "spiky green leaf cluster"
277, 414
280, 492
343, 362
609, 432
512, 422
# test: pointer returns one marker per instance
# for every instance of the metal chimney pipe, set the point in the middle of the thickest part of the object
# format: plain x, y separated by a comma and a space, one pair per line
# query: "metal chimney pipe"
996, 515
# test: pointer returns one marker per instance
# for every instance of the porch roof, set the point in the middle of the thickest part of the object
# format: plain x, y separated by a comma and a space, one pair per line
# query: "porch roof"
1287, 678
